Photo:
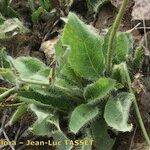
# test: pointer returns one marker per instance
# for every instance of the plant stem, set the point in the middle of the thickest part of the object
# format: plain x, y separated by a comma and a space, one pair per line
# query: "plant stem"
7, 93
114, 30
146, 136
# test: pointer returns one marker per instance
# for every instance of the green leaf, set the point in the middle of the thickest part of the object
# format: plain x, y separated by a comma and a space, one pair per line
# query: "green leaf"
102, 139
22, 109
99, 89
60, 136
7, 75
86, 56
3, 89
57, 101
71, 76
36, 14
119, 73
61, 52
42, 126
96, 4
88, 138
31, 68
4, 60
117, 112
124, 46
11, 27
81, 116
139, 57
6, 10
86, 147
46, 4
64, 70
2, 19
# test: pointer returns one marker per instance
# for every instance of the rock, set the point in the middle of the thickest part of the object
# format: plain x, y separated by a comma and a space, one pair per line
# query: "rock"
141, 10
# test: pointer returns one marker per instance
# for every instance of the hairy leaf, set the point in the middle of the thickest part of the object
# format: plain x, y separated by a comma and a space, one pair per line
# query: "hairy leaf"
22, 109
139, 57
81, 116
46, 4
119, 73
86, 56
124, 46
6, 10
2, 19
102, 139
4, 60
87, 147
11, 27
117, 112
3, 89
36, 14
59, 102
31, 68
96, 4
99, 89
42, 126
71, 76
7, 75
60, 136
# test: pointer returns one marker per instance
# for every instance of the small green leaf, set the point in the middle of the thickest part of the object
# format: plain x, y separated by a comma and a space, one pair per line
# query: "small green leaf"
18, 113
86, 56
96, 4
11, 27
36, 14
42, 126
60, 136
102, 139
81, 116
71, 76
117, 112
3, 89
61, 52
86, 147
31, 68
7, 75
139, 57
4, 59
2, 19
119, 73
99, 89
124, 46
46, 4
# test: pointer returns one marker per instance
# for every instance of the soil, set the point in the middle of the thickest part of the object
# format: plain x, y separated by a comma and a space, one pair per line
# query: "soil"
49, 29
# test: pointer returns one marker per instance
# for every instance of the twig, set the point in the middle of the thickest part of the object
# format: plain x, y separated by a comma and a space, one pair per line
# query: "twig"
6, 137
134, 28
145, 35
3, 122
132, 140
